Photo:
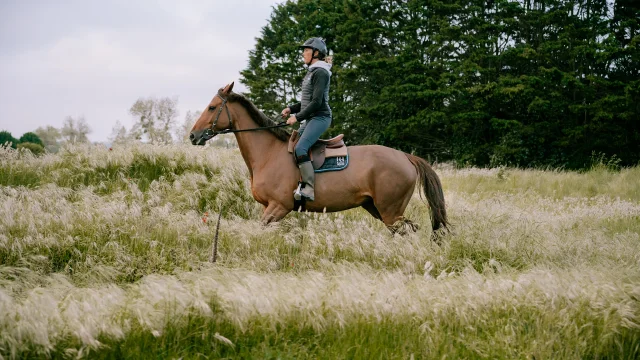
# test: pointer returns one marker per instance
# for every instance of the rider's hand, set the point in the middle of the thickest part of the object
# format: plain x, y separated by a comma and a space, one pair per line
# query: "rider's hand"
291, 120
285, 113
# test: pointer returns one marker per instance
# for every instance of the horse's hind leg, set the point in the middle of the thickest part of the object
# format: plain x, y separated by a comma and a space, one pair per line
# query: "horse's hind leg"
391, 212
371, 208
400, 226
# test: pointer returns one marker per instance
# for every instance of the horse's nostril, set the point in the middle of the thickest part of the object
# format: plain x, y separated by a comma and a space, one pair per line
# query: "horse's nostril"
192, 136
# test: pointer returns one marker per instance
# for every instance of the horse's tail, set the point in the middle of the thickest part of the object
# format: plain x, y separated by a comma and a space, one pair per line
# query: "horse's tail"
432, 188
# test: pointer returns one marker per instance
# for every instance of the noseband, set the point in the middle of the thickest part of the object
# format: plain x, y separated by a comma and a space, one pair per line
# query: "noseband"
210, 133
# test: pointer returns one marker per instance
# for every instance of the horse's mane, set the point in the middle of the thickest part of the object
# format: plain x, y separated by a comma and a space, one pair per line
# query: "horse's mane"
258, 116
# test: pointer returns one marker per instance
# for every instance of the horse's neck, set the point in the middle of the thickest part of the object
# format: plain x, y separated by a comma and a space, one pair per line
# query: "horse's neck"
258, 148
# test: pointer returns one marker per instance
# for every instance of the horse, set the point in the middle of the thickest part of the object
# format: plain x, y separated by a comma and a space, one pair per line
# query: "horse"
378, 178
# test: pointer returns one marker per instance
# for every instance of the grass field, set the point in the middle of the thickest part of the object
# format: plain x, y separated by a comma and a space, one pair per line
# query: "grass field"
105, 254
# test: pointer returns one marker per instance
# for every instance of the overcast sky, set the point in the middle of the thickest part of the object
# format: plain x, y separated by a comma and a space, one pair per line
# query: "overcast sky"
95, 58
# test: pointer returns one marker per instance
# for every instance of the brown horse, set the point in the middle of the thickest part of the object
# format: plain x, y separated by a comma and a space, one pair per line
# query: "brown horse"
378, 178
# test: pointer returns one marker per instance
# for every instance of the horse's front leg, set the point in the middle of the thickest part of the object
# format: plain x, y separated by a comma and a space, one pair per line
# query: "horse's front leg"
273, 212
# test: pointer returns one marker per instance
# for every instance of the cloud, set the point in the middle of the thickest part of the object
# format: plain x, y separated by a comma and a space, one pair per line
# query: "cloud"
96, 63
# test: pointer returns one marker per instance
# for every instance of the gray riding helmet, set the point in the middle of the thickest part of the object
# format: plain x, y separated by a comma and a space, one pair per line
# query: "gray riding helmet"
316, 43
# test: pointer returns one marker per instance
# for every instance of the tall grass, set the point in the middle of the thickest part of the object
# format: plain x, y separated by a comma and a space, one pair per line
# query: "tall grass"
104, 254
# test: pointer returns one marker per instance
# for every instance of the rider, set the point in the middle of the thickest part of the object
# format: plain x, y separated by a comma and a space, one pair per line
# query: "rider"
313, 111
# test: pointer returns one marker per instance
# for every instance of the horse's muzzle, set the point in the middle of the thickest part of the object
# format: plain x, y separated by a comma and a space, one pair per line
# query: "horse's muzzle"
197, 138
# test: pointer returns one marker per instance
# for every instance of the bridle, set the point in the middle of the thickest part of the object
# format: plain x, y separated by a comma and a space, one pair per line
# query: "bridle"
210, 133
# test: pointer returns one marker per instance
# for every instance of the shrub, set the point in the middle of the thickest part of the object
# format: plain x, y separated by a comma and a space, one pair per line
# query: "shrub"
36, 149
30, 137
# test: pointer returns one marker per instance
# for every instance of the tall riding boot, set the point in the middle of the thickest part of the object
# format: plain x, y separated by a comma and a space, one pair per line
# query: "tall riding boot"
305, 189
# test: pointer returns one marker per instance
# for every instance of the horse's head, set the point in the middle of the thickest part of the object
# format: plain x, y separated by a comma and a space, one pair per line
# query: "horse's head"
215, 117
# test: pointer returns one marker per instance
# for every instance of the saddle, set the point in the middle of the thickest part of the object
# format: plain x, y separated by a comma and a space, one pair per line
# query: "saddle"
322, 150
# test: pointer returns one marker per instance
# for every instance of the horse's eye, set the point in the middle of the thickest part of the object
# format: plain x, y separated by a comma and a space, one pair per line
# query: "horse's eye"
211, 108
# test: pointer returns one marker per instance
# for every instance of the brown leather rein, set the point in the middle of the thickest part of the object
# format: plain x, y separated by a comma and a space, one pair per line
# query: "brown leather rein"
210, 133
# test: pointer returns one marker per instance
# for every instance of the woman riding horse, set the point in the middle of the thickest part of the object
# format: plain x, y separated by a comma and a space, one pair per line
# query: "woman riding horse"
313, 111
379, 179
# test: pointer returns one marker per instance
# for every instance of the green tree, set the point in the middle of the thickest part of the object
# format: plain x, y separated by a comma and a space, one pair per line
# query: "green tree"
6, 137
30, 137
525, 83
275, 70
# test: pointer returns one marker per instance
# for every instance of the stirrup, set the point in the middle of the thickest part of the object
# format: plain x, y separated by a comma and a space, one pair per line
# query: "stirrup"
299, 195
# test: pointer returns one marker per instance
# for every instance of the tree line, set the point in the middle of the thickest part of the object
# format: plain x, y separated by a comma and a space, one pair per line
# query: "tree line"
155, 122
50, 138
525, 83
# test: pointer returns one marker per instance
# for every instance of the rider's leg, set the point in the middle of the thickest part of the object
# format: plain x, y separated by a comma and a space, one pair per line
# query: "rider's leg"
314, 128
307, 184
312, 132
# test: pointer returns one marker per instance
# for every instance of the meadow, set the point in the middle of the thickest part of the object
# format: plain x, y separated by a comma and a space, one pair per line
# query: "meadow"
105, 254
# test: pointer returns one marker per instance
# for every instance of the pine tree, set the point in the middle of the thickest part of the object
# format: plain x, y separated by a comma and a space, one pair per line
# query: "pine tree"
525, 83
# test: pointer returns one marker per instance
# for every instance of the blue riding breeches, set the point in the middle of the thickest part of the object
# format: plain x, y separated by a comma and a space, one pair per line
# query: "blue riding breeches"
311, 132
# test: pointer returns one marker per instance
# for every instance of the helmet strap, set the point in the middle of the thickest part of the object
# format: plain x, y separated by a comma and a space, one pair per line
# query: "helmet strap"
313, 51
313, 56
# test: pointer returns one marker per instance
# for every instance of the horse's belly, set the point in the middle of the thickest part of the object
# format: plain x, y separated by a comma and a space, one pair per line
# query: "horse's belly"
340, 190
332, 203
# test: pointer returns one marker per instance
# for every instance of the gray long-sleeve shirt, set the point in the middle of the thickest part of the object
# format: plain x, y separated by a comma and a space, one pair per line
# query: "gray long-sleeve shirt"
315, 93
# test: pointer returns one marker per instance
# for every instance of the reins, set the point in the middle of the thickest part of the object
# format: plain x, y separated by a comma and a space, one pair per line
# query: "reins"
226, 131
210, 133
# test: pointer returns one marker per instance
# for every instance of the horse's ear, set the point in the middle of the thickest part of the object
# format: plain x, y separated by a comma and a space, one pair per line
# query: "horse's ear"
228, 88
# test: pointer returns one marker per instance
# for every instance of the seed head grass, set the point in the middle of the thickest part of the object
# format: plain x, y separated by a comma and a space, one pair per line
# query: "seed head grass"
105, 254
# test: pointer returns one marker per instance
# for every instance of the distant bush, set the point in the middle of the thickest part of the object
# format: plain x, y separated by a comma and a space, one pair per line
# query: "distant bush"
36, 149
31, 137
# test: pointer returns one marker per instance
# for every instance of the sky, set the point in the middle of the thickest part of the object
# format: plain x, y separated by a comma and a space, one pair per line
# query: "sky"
96, 58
